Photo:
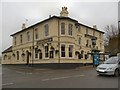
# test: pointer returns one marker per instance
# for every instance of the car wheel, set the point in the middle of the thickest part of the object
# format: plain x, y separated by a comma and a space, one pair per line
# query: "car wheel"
116, 73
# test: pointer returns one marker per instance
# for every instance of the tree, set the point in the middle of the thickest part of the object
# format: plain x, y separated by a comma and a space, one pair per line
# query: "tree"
111, 39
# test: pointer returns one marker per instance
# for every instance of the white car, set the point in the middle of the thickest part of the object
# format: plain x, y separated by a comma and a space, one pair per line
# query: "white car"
109, 67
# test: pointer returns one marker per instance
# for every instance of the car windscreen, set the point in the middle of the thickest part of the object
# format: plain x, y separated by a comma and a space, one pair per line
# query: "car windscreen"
112, 60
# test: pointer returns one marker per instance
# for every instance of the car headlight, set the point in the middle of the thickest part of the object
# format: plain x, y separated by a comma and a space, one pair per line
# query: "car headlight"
109, 68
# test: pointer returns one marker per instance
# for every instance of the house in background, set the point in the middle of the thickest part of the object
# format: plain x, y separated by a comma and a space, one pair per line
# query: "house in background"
58, 39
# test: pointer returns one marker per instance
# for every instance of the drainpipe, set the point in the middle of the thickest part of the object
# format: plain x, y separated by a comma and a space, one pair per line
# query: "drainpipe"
33, 48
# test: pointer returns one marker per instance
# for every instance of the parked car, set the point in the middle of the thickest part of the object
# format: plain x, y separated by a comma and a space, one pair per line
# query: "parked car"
110, 67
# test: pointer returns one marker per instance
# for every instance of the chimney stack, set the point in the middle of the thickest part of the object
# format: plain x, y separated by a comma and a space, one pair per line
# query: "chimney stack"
95, 26
64, 12
49, 16
23, 26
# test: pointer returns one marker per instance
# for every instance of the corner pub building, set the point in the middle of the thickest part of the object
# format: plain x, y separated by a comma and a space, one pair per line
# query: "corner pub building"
58, 39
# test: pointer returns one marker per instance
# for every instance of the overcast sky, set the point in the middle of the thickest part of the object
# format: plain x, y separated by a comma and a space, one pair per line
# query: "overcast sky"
89, 13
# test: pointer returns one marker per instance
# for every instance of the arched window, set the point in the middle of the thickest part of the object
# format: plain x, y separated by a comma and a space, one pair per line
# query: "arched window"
5, 57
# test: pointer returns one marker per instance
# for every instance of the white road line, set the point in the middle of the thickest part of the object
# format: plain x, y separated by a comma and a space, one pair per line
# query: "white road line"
45, 79
62, 77
7, 84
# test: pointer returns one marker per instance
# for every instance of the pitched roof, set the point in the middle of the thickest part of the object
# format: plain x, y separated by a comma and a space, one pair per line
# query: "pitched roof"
8, 50
58, 17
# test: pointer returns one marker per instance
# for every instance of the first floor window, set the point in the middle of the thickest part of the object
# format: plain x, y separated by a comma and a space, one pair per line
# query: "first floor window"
21, 37
70, 27
62, 50
15, 40
70, 50
46, 51
46, 30
79, 40
36, 33
62, 28
28, 36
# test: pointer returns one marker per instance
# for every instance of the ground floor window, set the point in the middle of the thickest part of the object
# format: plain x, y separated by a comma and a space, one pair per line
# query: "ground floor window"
36, 52
86, 56
40, 55
5, 57
62, 50
70, 50
51, 54
80, 56
46, 51
17, 55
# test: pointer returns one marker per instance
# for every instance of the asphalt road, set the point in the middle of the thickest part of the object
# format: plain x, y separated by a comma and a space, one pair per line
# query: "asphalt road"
28, 77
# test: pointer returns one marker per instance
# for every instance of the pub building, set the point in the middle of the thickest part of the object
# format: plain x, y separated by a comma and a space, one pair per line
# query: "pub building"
57, 39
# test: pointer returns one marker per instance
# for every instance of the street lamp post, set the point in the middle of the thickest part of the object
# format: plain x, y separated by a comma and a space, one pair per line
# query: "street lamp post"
119, 36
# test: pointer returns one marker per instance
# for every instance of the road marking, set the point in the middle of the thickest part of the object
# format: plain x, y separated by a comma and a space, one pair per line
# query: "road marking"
7, 84
45, 79
62, 77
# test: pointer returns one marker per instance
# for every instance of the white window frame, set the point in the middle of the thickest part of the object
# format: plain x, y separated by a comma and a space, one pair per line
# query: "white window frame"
46, 27
70, 29
62, 28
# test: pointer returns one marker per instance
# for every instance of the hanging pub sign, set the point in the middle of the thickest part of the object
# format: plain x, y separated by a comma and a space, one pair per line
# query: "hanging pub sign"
45, 40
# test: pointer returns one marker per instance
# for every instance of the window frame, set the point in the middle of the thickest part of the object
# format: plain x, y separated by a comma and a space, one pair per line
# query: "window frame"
46, 27
62, 28
36, 53
70, 29
17, 55
28, 36
63, 51
21, 38
46, 51
70, 50
36, 33
15, 42
79, 40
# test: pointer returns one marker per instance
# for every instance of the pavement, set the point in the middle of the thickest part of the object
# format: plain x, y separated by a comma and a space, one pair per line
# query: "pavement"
31, 77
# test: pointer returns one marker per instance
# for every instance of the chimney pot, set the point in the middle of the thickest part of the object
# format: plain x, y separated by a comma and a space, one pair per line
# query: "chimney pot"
95, 26
23, 26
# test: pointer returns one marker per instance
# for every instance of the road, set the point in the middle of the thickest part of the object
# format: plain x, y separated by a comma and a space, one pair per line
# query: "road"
29, 77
